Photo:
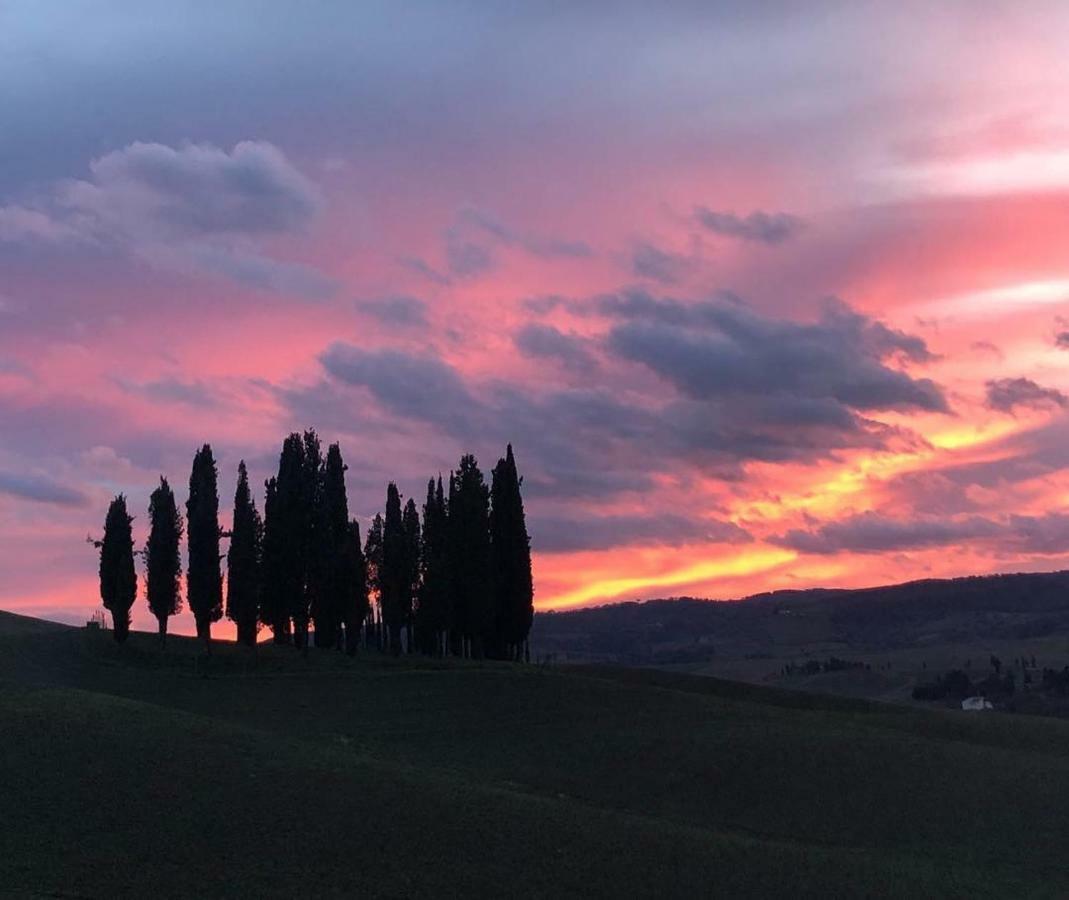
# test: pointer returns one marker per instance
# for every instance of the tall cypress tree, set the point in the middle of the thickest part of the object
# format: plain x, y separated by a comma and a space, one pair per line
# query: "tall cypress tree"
118, 580
243, 562
163, 560
373, 558
510, 548
469, 531
354, 600
316, 546
290, 541
432, 614
204, 586
392, 573
333, 546
413, 544
274, 611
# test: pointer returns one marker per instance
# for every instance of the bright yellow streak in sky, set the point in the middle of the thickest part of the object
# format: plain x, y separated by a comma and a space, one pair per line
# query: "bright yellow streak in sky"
749, 563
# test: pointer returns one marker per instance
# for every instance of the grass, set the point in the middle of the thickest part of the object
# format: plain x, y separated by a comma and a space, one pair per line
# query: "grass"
127, 771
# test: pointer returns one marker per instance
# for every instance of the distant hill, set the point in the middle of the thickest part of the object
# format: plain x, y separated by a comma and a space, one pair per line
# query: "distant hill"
687, 629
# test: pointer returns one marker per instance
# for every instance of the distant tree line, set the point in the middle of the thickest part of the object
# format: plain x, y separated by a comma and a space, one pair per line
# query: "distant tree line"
456, 581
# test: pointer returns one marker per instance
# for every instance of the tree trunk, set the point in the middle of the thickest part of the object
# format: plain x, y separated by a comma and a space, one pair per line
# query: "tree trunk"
163, 631
120, 628
204, 632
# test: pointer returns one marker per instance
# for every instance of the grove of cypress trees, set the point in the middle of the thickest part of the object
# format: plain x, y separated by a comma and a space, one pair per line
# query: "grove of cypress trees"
392, 573
432, 614
118, 580
510, 553
410, 531
274, 611
243, 563
163, 560
469, 556
204, 587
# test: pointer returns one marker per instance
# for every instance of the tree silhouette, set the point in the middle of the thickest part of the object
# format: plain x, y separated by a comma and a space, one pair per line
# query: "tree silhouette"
354, 599
410, 570
274, 611
163, 560
287, 541
243, 563
392, 572
510, 548
469, 556
312, 534
333, 548
373, 562
204, 580
118, 580
432, 614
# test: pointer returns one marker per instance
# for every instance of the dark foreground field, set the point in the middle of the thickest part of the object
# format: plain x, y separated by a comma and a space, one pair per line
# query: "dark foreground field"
127, 772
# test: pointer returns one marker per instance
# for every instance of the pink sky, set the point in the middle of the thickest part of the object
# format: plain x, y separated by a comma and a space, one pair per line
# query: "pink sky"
762, 299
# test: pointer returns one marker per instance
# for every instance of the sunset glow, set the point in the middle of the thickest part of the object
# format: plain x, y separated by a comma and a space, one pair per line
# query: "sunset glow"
761, 298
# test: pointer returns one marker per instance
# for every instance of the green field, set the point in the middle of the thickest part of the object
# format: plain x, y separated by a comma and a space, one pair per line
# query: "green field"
125, 771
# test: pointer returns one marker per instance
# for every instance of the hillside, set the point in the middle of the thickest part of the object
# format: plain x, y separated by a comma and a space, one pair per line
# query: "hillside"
126, 772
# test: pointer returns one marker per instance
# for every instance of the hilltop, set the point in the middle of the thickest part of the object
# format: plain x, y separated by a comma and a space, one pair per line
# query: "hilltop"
128, 771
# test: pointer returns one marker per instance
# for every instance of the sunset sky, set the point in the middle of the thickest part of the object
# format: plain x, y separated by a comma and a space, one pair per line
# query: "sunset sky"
764, 295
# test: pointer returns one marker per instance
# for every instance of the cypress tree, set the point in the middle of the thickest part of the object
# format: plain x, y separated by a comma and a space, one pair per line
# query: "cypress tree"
510, 548
118, 580
289, 541
204, 581
373, 558
334, 548
469, 550
410, 530
243, 562
392, 573
354, 598
432, 614
274, 611
163, 560
312, 535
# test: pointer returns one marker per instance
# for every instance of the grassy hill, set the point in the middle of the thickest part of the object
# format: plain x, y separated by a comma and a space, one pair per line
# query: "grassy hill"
125, 771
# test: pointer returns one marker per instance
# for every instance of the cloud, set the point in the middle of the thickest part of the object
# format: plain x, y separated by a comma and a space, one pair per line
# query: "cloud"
723, 350
173, 390
750, 388
425, 270
1061, 340
872, 532
403, 311
470, 239
760, 227
195, 209
422, 387
546, 342
583, 531
537, 245
40, 489
19, 223
1007, 394
197, 190
648, 261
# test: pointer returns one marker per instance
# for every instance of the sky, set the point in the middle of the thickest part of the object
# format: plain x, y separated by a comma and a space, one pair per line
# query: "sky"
763, 295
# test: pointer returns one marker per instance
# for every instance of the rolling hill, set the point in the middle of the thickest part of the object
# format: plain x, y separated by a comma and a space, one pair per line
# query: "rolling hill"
128, 771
